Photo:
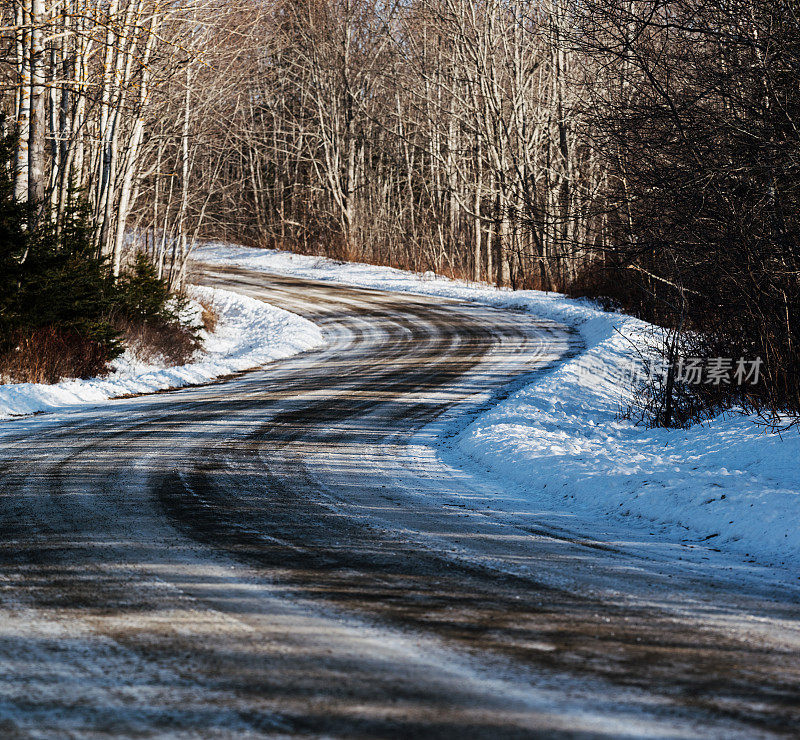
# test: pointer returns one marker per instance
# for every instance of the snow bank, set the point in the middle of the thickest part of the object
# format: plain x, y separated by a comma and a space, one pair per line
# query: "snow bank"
250, 333
728, 484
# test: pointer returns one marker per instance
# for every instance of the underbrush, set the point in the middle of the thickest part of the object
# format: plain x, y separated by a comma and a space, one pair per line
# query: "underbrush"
164, 334
149, 343
62, 315
151, 321
48, 354
710, 351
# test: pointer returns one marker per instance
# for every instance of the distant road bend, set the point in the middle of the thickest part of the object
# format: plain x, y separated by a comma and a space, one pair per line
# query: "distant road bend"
284, 554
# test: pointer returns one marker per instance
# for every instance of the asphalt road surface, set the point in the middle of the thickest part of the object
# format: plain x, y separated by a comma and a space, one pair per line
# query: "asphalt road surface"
286, 553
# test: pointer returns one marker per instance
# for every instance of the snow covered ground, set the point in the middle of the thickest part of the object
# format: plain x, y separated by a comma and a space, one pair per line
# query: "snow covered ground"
250, 333
560, 444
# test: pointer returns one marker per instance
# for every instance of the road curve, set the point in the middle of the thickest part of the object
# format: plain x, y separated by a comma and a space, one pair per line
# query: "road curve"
286, 553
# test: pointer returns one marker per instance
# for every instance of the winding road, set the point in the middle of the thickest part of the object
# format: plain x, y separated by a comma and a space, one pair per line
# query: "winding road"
289, 552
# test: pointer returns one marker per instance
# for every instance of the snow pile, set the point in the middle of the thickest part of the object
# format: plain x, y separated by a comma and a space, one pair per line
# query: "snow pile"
250, 333
728, 484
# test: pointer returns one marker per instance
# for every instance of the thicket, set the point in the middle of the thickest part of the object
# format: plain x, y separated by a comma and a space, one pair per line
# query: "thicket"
62, 312
697, 116
149, 315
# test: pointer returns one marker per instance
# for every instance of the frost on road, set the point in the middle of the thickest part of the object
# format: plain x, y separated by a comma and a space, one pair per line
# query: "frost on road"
289, 553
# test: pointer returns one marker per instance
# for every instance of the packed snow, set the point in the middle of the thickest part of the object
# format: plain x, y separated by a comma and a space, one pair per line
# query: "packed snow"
250, 333
560, 441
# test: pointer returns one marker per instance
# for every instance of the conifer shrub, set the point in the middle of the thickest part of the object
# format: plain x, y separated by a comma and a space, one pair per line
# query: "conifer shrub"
149, 316
62, 314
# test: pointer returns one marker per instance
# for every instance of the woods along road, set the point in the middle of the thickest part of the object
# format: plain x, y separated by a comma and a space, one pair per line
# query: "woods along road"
289, 552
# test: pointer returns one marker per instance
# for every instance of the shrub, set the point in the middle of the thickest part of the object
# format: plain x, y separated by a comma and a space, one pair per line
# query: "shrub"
141, 295
149, 316
48, 354
151, 343
54, 285
62, 314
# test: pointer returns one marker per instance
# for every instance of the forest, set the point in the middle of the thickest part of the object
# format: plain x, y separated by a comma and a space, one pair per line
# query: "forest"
645, 153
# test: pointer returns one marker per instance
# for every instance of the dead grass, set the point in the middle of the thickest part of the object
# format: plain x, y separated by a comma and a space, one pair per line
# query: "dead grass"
47, 355
210, 314
151, 343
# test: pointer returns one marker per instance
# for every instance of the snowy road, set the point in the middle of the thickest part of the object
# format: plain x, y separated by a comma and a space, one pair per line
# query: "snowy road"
284, 553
